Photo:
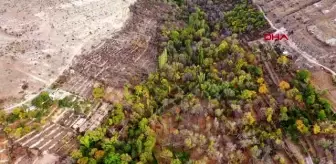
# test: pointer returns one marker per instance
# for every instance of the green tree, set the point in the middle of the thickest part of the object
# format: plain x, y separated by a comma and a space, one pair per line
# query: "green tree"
247, 94
283, 114
163, 58
303, 75
117, 115
92, 137
310, 99
43, 100
223, 48
322, 115
3, 116
112, 158
175, 161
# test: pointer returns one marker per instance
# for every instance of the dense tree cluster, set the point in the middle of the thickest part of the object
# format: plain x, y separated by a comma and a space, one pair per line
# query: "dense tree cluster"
244, 17
24, 119
309, 110
43, 101
80, 106
212, 100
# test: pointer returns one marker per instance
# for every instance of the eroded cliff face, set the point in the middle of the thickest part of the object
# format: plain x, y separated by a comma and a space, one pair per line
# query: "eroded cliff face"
39, 39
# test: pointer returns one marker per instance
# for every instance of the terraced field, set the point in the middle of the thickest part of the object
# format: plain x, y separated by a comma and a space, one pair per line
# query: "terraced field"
59, 136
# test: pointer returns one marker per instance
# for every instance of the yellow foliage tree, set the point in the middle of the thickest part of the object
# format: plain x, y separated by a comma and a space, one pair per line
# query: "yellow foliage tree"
263, 89
329, 130
251, 58
269, 113
316, 129
282, 60
260, 80
248, 117
76, 154
301, 126
284, 85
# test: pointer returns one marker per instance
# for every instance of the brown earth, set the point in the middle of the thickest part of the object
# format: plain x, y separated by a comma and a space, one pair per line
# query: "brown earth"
323, 81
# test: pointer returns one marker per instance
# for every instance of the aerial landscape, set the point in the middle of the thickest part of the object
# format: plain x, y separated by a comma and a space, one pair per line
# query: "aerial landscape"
168, 81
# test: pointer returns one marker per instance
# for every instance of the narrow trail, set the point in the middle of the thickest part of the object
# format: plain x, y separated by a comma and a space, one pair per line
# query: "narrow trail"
33, 76
293, 45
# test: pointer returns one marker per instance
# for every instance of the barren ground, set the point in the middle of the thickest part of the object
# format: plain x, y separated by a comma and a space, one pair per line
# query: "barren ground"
39, 39
127, 57
311, 25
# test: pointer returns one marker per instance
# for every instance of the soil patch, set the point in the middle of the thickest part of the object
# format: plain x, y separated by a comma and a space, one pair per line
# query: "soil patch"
323, 81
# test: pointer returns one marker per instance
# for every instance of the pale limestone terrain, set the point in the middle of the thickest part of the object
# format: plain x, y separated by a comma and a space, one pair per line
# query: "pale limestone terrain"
39, 39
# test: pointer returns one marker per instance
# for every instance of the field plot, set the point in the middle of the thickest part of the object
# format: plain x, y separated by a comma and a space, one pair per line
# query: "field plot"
127, 57
310, 24
94, 120
53, 139
38, 39
58, 137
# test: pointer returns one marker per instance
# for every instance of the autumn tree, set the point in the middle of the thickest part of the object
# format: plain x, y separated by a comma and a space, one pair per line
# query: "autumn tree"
283, 85
98, 92
301, 126
263, 89
283, 60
